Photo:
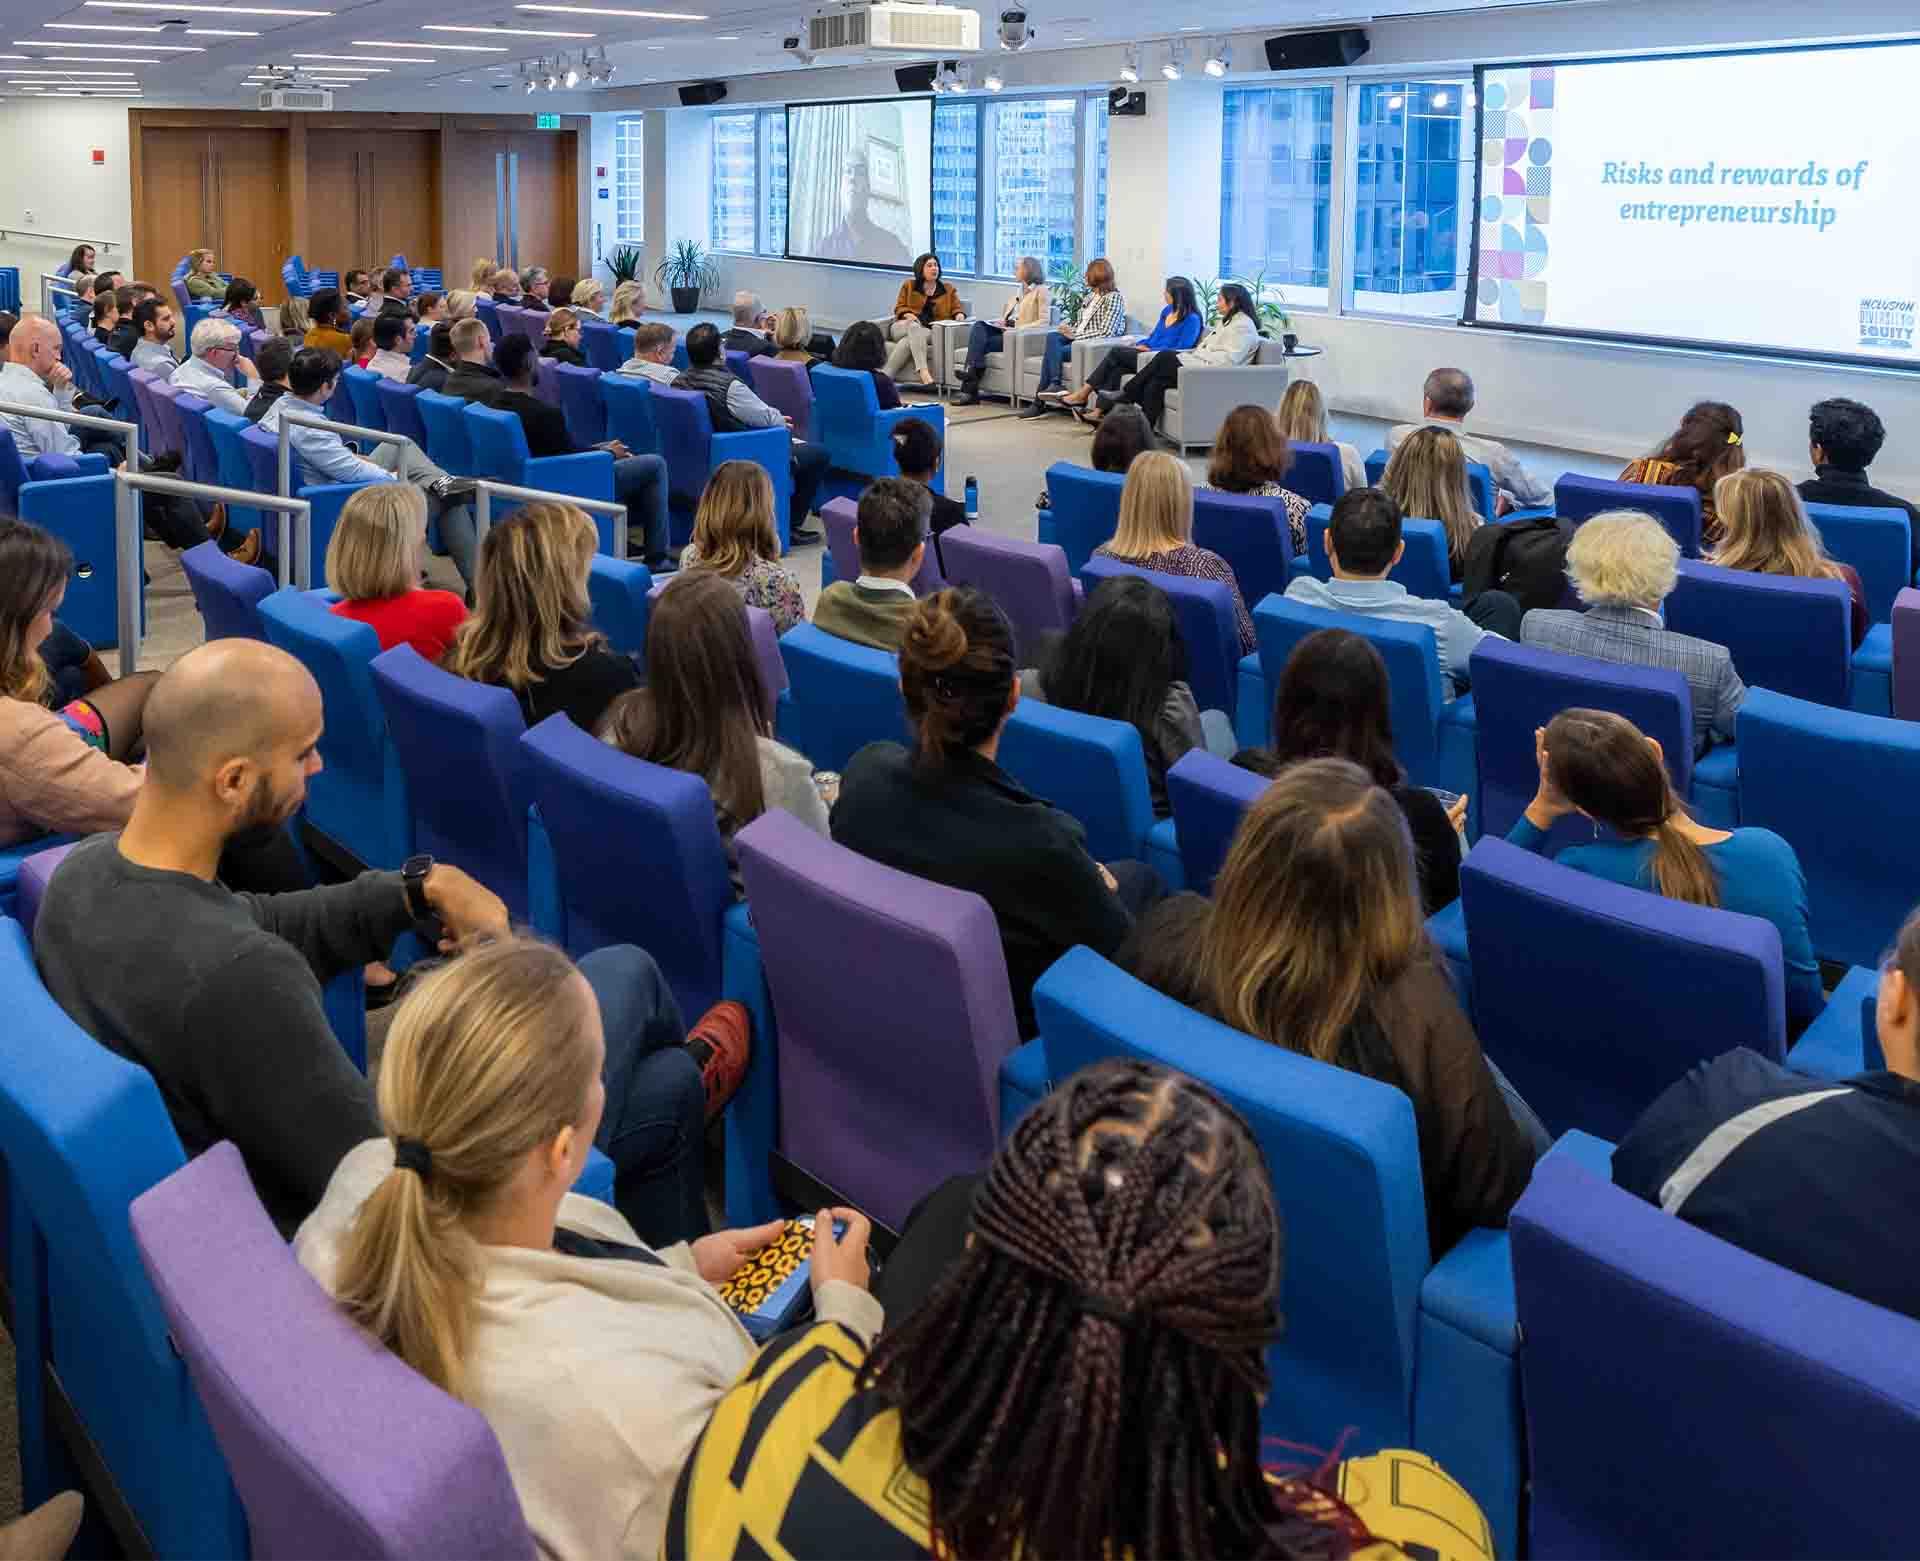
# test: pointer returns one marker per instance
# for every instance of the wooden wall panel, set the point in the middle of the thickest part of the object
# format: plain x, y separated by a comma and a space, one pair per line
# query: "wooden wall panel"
222, 190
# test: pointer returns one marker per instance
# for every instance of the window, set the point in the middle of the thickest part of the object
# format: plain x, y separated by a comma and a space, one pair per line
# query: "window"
956, 183
1276, 188
735, 167
1097, 135
773, 206
1031, 170
1413, 197
628, 221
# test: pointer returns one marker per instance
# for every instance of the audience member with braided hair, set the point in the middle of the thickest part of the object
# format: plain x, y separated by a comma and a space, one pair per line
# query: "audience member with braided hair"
945, 810
1087, 1379
1603, 767
1315, 940
595, 1349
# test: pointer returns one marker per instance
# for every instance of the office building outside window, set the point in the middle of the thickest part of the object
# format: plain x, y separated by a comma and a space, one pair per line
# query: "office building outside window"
1413, 197
773, 164
956, 184
628, 220
1276, 188
735, 182
1031, 170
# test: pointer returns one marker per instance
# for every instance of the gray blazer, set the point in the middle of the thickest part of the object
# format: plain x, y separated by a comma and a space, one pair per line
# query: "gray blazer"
1630, 636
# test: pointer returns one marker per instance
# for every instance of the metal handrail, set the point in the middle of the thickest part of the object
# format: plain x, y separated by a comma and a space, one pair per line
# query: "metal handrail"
130, 485
49, 284
484, 489
65, 238
303, 561
126, 546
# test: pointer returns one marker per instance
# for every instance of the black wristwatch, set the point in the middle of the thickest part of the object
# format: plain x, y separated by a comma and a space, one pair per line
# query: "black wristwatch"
413, 879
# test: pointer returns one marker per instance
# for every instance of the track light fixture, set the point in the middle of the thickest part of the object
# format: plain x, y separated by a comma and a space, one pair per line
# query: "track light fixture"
1176, 62
1220, 61
572, 77
994, 81
1130, 72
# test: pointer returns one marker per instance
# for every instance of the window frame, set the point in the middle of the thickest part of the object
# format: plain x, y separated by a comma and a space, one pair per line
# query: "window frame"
1339, 199
713, 183
630, 167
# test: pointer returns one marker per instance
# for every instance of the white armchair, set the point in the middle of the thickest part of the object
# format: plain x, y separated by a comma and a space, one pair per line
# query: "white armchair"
1200, 402
1013, 370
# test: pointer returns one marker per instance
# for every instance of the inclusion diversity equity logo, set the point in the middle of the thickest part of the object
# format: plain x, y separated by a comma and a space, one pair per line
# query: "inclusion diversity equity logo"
1886, 324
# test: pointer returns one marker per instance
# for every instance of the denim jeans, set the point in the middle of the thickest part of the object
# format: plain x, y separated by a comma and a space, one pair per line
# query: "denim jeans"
1053, 362
654, 1125
809, 466
981, 340
640, 483
458, 535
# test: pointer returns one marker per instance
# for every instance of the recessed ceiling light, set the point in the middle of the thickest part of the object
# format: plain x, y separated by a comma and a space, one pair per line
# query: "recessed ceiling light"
453, 48
726, 37
74, 75
368, 59
500, 32
101, 27
655, 48
97, 59
199, 10
358, 70
82, 43
221, 32
595, 10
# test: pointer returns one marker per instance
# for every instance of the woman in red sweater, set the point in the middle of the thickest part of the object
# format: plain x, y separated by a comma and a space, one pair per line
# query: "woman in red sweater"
374, 561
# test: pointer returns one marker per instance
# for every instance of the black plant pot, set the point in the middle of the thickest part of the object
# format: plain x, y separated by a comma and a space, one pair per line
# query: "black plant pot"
1289, 341
685, 299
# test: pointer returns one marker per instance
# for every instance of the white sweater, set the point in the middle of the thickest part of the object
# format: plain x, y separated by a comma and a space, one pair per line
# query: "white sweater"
597, 1375
1235, 342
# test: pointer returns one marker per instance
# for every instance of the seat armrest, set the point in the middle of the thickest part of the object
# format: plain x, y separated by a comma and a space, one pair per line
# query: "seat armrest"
1471, 1289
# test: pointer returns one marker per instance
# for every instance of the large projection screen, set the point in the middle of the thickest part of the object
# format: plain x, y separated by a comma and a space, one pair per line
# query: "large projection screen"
860, 182
1758, 201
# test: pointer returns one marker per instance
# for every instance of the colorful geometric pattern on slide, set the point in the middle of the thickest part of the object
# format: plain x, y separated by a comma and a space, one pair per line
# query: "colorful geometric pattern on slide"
1516, 194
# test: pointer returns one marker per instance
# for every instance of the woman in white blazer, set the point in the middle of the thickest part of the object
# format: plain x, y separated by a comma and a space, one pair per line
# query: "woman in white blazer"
1235, 338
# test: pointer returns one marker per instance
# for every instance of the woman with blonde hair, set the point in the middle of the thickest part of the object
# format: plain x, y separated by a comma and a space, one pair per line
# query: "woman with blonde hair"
1603, 767
1302, 416
629, 302
1250, 457
375, 559
460, 305
532, 627
480, 278
734, 537
793, 336
562, 341
203, 278
1427, 478
945, 810
1156, 531
1315, 940
1764, 529
704, 710
589, 298
295, 318
594, 1342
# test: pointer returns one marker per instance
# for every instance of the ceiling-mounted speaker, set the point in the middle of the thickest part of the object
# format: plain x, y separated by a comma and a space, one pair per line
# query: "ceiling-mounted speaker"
916, 78
1125, 101
702, 93
1325, 50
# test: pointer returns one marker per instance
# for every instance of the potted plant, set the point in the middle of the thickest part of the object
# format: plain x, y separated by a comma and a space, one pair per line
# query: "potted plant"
1271, 313
624, 264
1206, 293
687, 272
1067, 282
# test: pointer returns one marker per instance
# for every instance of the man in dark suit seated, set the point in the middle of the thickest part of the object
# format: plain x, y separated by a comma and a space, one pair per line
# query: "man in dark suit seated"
396, 292
749, 333
1843, 438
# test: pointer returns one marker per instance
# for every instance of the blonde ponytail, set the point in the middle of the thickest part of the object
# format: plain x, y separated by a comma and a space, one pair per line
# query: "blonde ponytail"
488, 1058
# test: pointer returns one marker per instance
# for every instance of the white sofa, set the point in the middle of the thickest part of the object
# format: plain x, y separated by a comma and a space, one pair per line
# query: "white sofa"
1014, 370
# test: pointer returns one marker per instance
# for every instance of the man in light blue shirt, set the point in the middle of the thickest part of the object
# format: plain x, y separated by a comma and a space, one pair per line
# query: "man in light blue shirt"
1445, 400
153, 320
1364, 542
325, 457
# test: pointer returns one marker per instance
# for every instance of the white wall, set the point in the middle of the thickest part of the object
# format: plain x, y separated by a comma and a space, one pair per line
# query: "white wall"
48, 170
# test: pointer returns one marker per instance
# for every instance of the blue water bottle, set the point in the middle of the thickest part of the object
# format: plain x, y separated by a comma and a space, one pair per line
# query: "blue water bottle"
972, 500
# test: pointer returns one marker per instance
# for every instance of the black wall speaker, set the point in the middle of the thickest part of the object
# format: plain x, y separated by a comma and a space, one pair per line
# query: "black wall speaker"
702, 93
915, 78
1127, 100
1316, 51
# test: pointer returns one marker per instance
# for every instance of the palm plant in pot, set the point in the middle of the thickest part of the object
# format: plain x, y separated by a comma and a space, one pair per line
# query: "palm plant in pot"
687, 272
624, 262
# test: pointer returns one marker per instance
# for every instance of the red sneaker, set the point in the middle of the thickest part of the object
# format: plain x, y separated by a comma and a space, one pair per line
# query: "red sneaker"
721, 1042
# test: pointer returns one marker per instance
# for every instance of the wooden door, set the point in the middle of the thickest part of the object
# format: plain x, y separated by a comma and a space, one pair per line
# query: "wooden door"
472, 217
224, 190
170, 205
547, 229
512, 195
382, 197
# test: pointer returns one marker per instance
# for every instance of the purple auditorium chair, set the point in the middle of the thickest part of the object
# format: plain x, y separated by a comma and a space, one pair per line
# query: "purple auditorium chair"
141, 382
1773, 1391
1906, 655
766, 652
1029, 580
1210, 796
166, 412
337, 1447
1204, 611
545, 385
737, 362
1253, 536
692, 449
586, 413
840, 516
854, 1082
784, 386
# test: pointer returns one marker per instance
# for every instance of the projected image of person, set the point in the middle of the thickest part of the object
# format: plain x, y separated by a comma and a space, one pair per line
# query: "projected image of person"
858, 236
860, 182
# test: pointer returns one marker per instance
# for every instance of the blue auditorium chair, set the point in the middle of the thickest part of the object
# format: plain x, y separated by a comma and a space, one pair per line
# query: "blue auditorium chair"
359, 796
1578, 498
499, 444
1092, 768
227, 593
1592, 997
581, 401
1204, 611
1773, 1392
604, 822
692, 450
1433, 736
363, 393
620, 592
232, 468
601, 344
466, 773
1479, 481
16, 473
1382, 1344
840, 697
1210, 796
80, 511
489, 313
1843, 789
1084, 511
1253, 536
1876, 542
859, 436
83, 1133
1315, 472
399, 413
1423, 569
448, 445
628, 399
1784, 633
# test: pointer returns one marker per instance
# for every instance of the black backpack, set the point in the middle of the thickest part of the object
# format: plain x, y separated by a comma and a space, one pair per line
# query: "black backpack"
1527, 558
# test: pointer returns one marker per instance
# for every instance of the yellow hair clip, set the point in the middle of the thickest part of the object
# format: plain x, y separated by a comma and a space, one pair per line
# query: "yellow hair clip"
1733, 438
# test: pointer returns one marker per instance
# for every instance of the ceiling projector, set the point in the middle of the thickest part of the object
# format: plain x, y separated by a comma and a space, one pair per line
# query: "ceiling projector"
854, 29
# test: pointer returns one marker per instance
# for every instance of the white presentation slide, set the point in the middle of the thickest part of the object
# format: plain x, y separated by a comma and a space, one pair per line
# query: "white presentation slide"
1761, 200
860, 182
